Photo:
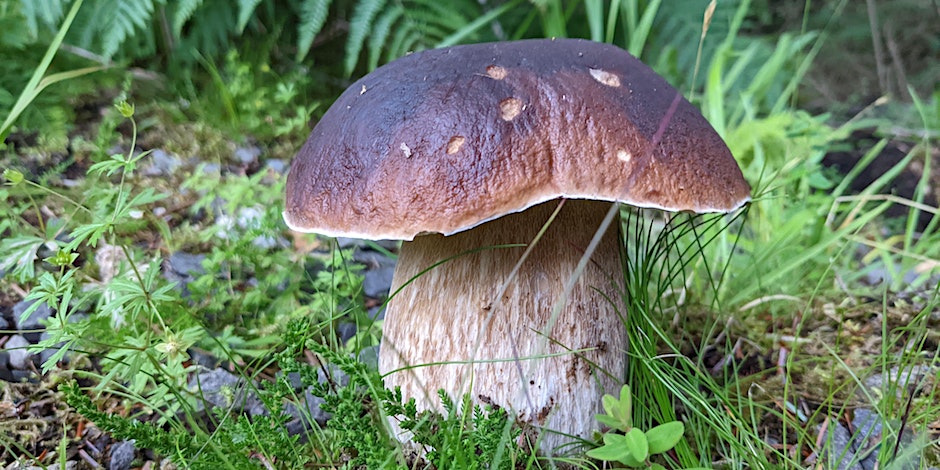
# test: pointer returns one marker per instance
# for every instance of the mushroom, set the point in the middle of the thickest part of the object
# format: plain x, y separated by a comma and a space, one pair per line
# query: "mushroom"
465, 153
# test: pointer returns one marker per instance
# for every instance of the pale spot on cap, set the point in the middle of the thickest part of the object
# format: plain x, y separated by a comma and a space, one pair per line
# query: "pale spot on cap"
496, 72
405, 150
454, 144
509, 108
605, 77
624, 156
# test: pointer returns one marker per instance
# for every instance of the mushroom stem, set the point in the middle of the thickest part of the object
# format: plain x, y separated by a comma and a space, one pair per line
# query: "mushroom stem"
549, 363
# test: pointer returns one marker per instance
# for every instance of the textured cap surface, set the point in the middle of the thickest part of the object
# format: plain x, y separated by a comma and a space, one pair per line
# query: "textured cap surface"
443, 140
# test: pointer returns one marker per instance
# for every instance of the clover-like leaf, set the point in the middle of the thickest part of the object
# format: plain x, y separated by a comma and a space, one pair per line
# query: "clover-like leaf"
635, 441
664, 437
610, 422
613, 450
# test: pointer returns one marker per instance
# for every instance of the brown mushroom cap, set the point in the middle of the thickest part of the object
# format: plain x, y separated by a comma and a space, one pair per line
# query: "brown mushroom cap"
445, 139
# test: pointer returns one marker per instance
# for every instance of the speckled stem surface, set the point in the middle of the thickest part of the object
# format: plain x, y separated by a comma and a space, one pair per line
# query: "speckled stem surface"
534, 350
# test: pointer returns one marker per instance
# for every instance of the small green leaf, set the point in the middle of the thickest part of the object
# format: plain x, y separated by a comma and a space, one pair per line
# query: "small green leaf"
610, 422
657, 466
626, 406
635, 441
613, 450
12, 176
664, 437
62, 258
610, 405
126, 109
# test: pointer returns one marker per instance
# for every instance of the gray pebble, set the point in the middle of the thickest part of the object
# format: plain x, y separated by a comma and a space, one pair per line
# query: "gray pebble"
161, 163
377, 313
333, 374
377, 279
69, 465
20, 357
5, 373
293, 379
370, 356
122, 455
307, 412
182, 268
276, 165
345, 242
4, 323
187, 264
203, 358
43, 312
376, 283
345, 331
221, 388
23, 376
838, 448
899, 379
867, 424
47, 353
247, 155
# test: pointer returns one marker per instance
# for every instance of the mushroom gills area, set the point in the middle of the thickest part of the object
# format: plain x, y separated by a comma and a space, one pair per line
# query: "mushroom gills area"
550, 366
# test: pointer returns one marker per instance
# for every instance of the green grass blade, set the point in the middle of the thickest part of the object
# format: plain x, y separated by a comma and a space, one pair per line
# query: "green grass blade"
595, 18
642, 31
476, 24
32, 88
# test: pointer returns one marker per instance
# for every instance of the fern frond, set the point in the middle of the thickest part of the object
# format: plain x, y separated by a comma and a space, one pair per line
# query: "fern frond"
184, 12
47, 12
359, 26
406, 26
211, 26
125, 18
246, 8
313, 15
380, 31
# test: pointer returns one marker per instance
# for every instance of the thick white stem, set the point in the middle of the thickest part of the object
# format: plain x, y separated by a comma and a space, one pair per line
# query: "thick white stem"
550, 362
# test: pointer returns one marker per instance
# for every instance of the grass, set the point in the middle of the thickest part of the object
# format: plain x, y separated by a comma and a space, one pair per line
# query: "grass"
759, 331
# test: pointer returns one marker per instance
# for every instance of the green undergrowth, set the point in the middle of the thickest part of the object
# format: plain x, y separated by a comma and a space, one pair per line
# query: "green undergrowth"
753, 329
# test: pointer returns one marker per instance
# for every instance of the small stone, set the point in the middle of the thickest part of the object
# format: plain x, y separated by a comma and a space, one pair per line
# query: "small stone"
69, 465
332, 374
247, 155
203, 358
370, 356
221, 388
293, 378
161, 163
366, 245
47, 353
838, 452
187, 264
345, 331
182, 268
20, 357
867, 424
378, 282
306, 413
377, 313
33, 322
5, 373
23, 376
276, 165
377, 279
122, 455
